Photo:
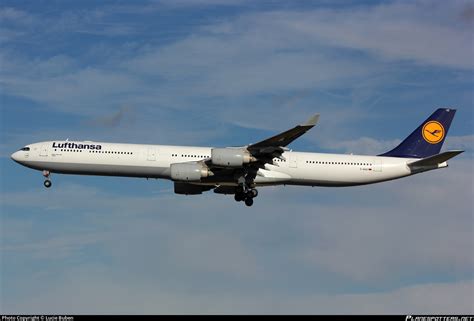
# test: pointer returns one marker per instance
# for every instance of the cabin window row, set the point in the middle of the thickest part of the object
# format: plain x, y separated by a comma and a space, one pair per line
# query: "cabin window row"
338, 163
110, 152
94, 151
69, 150
193, 156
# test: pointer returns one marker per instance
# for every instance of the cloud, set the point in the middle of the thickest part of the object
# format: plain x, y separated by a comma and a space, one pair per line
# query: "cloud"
373, 146
364, 145
132, 246
343, 250
78, 91
250, 55
97, 292
403, 31
60, 247
460, 142
125, 113
15, 16
14, 24
192, 3
467, 13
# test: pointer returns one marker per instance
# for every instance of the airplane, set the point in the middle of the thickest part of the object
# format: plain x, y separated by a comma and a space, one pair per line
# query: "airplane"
239, 171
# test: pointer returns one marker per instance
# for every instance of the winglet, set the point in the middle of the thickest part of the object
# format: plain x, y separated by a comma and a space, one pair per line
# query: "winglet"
313, 120
277, 142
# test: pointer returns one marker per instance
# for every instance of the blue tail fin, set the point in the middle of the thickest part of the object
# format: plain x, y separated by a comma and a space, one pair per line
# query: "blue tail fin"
428, 138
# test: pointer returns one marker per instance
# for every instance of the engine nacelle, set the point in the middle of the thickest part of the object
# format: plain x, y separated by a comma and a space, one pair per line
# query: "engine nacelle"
233, 157
189, 172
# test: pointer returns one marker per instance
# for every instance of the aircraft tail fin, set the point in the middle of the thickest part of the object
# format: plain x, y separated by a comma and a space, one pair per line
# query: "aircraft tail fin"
428, 138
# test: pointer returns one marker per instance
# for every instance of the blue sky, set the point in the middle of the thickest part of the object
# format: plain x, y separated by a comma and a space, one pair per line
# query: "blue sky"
219, 73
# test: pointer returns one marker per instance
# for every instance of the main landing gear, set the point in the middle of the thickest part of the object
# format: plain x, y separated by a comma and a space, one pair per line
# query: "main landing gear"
244, 191
245, 194
47, 182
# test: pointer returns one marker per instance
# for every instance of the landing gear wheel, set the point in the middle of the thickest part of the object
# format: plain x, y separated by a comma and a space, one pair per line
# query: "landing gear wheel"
251, 193
47, 183
254, 192
249, 201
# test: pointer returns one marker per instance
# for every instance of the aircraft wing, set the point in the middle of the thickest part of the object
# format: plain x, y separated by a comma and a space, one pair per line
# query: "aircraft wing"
276, 145
257, 154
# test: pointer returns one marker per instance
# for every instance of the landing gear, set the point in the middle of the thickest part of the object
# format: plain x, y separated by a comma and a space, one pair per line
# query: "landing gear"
249, 201
252, 193
245, 194
244, 191
47, 182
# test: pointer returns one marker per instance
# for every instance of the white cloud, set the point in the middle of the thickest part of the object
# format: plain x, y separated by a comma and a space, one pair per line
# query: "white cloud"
363, 145
15, 16
253, 54
304, 242
397, 30
460, 142
96, 292
186, 3
79, 91
167, 253
58, 247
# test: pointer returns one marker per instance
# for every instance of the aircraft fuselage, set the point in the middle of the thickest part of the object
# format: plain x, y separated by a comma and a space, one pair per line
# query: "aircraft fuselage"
153, 161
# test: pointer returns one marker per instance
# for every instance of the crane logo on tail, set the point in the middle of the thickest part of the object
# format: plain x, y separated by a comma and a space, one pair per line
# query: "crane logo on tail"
433, 132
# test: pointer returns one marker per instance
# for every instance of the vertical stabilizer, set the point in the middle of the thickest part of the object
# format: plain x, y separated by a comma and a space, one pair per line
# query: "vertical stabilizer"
428, 138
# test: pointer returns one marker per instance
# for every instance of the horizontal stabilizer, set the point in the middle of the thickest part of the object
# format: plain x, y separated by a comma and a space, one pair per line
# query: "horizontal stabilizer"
435, 160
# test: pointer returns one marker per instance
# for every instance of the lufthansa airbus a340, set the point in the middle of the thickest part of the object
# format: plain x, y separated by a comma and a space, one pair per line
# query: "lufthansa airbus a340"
240, 170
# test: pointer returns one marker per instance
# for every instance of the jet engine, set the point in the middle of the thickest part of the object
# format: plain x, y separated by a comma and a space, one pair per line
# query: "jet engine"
192, 172
232, 157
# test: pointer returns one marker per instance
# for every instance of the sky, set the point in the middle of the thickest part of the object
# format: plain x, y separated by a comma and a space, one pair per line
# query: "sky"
229, 73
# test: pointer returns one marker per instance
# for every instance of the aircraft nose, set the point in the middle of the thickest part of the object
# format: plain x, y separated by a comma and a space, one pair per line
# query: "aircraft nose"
15, 156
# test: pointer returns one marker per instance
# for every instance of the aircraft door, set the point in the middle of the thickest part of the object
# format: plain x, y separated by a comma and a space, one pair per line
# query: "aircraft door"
377, 165
44, 150
293, 160
151, 154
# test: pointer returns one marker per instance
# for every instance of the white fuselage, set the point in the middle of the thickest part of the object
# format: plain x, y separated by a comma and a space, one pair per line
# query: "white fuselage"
153, 161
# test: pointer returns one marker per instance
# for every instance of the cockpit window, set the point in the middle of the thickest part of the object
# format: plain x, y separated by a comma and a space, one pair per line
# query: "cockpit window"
25, 149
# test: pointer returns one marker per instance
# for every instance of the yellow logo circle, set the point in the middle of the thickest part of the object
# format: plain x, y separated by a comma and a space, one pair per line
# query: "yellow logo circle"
433, 132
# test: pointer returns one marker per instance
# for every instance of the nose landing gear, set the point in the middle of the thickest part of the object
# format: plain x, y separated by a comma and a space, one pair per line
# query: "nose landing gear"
47, 182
